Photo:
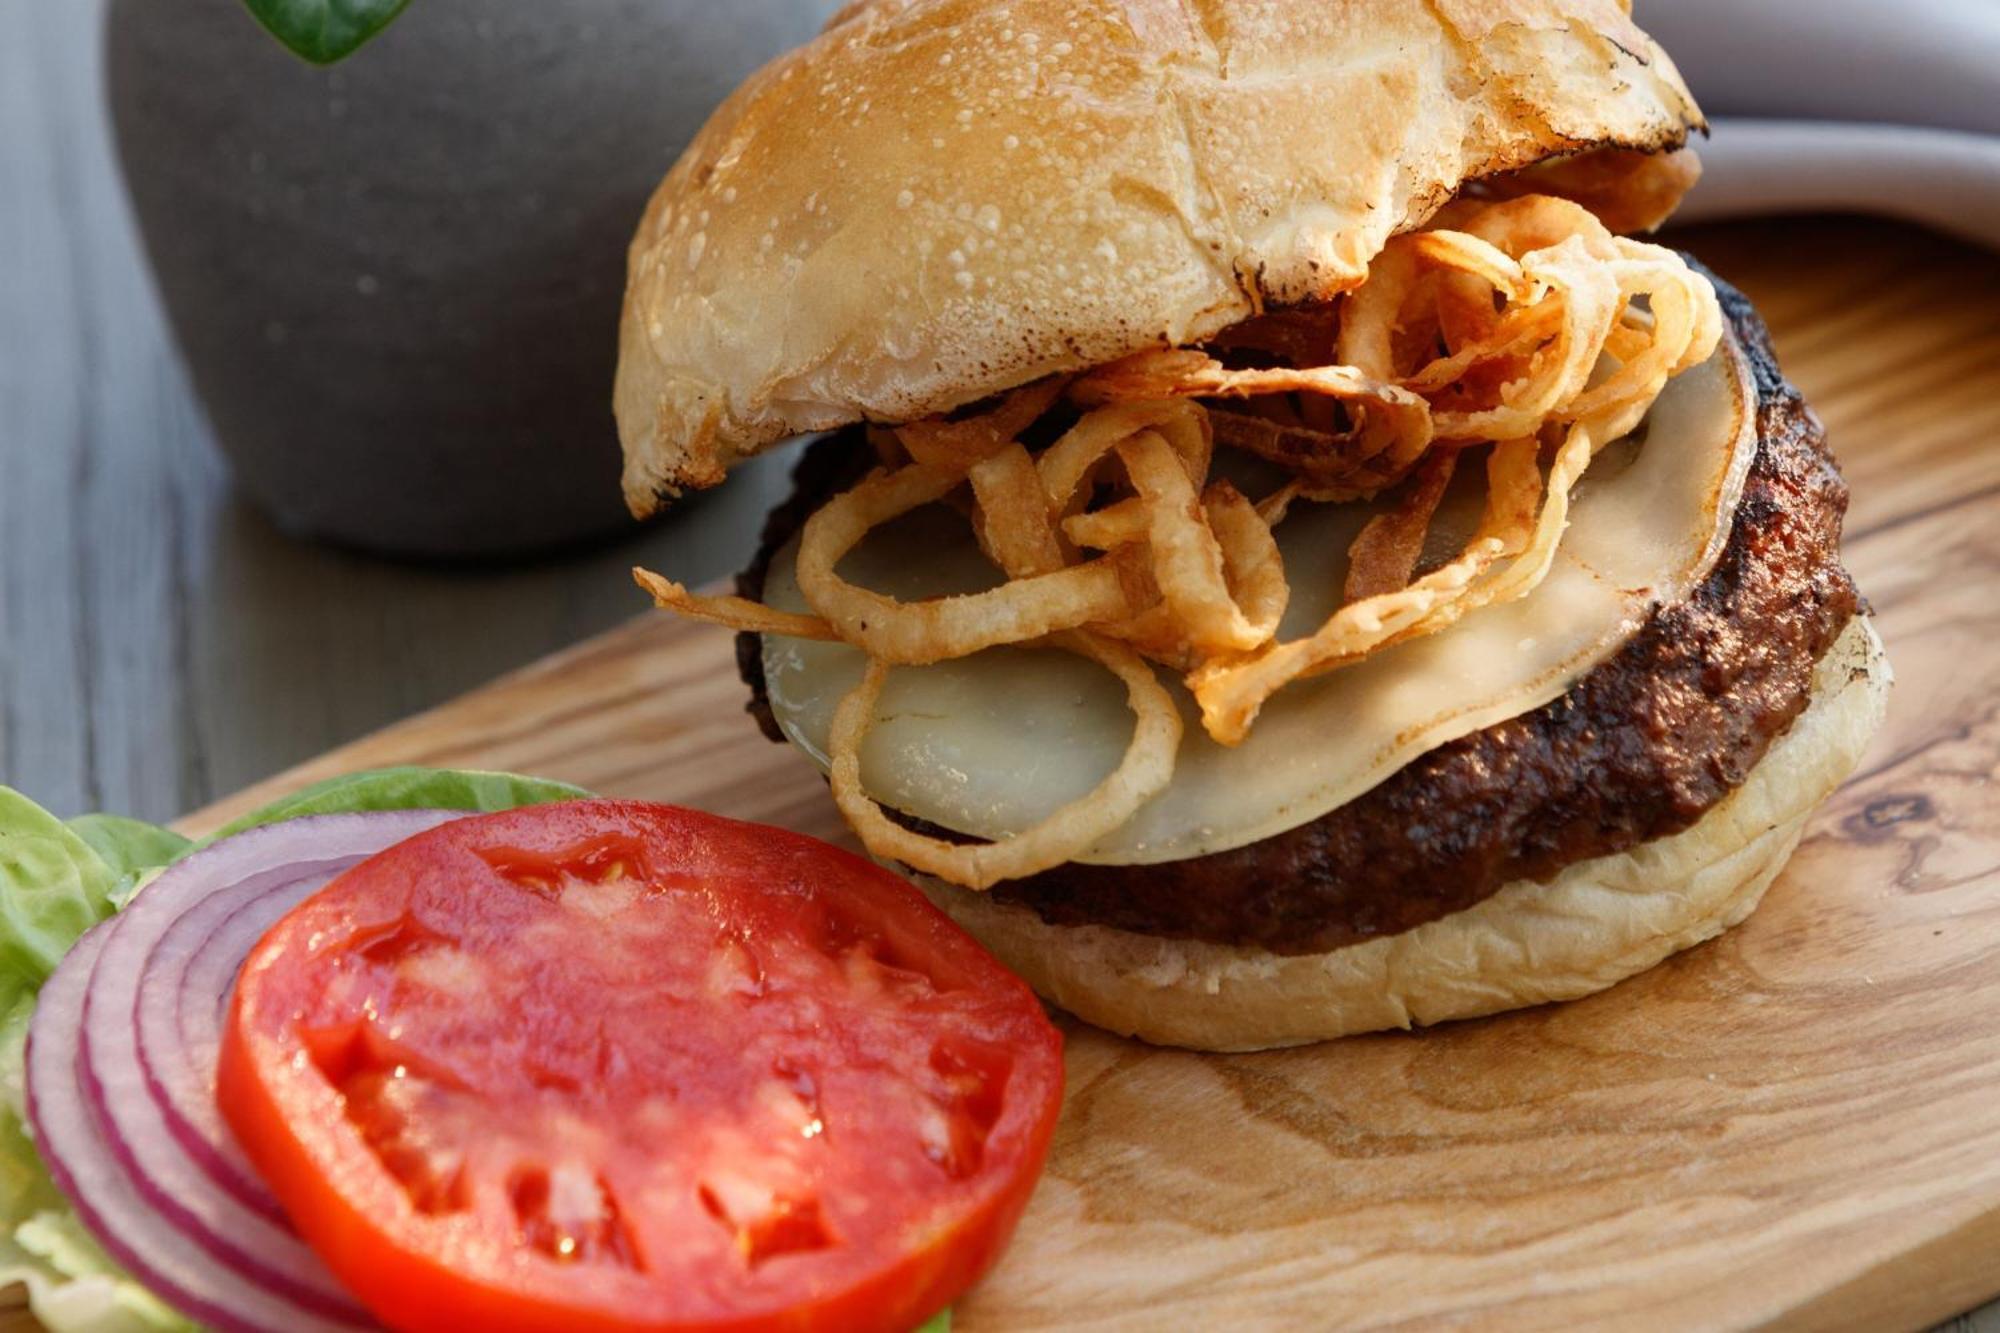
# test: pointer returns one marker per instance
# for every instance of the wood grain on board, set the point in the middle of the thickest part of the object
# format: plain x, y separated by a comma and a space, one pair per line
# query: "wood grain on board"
1799, 1122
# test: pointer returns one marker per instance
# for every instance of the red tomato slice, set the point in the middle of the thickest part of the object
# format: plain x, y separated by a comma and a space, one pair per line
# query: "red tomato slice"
611, 1066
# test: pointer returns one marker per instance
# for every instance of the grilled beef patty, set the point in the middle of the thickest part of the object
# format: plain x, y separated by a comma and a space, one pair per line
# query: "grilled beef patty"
1639, 748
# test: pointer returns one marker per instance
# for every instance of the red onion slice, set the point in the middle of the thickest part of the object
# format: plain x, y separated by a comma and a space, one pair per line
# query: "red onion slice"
172, 1264
135, 1128
174, 1051
121, 1077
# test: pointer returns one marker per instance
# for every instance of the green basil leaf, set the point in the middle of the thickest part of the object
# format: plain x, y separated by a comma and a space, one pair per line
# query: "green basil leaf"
324, 31
53, 887
937, 1323
408, 788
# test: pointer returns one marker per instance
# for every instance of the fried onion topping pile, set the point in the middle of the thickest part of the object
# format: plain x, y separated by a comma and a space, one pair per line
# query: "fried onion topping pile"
1521, 324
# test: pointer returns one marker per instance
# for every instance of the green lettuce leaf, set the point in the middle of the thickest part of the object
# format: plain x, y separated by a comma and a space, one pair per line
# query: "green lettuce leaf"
132, 848
53, 887
129, 846
73, 1286
407, 788
25, 1188
937, 1323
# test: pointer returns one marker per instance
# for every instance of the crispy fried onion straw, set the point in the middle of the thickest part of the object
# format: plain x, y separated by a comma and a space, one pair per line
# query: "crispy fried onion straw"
1391, 431
1522, 327
1147, 767
1019, 538
738, 613
914, 633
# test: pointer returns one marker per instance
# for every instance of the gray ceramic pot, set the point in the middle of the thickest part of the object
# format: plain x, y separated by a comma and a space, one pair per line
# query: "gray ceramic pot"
396, 281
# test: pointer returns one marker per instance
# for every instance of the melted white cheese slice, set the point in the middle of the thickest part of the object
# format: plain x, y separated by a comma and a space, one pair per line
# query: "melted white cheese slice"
989, 744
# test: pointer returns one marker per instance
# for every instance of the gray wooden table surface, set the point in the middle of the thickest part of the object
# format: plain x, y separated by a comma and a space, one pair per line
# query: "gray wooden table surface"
160, 644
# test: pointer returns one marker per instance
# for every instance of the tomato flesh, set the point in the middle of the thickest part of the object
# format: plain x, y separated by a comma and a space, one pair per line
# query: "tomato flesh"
610, 1065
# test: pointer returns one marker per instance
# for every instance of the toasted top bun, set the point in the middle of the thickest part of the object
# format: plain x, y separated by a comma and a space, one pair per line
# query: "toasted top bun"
941, 199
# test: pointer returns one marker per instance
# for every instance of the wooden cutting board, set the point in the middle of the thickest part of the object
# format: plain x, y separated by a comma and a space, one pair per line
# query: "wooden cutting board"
1799, 1122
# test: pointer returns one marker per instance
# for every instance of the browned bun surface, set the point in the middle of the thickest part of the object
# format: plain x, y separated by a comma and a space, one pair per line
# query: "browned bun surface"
941, 199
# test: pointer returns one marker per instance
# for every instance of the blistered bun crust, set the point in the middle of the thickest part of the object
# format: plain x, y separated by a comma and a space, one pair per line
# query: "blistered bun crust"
941, 199
1593, 925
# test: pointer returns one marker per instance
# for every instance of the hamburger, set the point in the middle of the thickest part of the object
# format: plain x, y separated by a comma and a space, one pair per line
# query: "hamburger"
1286, 556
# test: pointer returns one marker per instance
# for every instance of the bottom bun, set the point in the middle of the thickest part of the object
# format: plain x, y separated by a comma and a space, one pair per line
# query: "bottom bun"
1591, 926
